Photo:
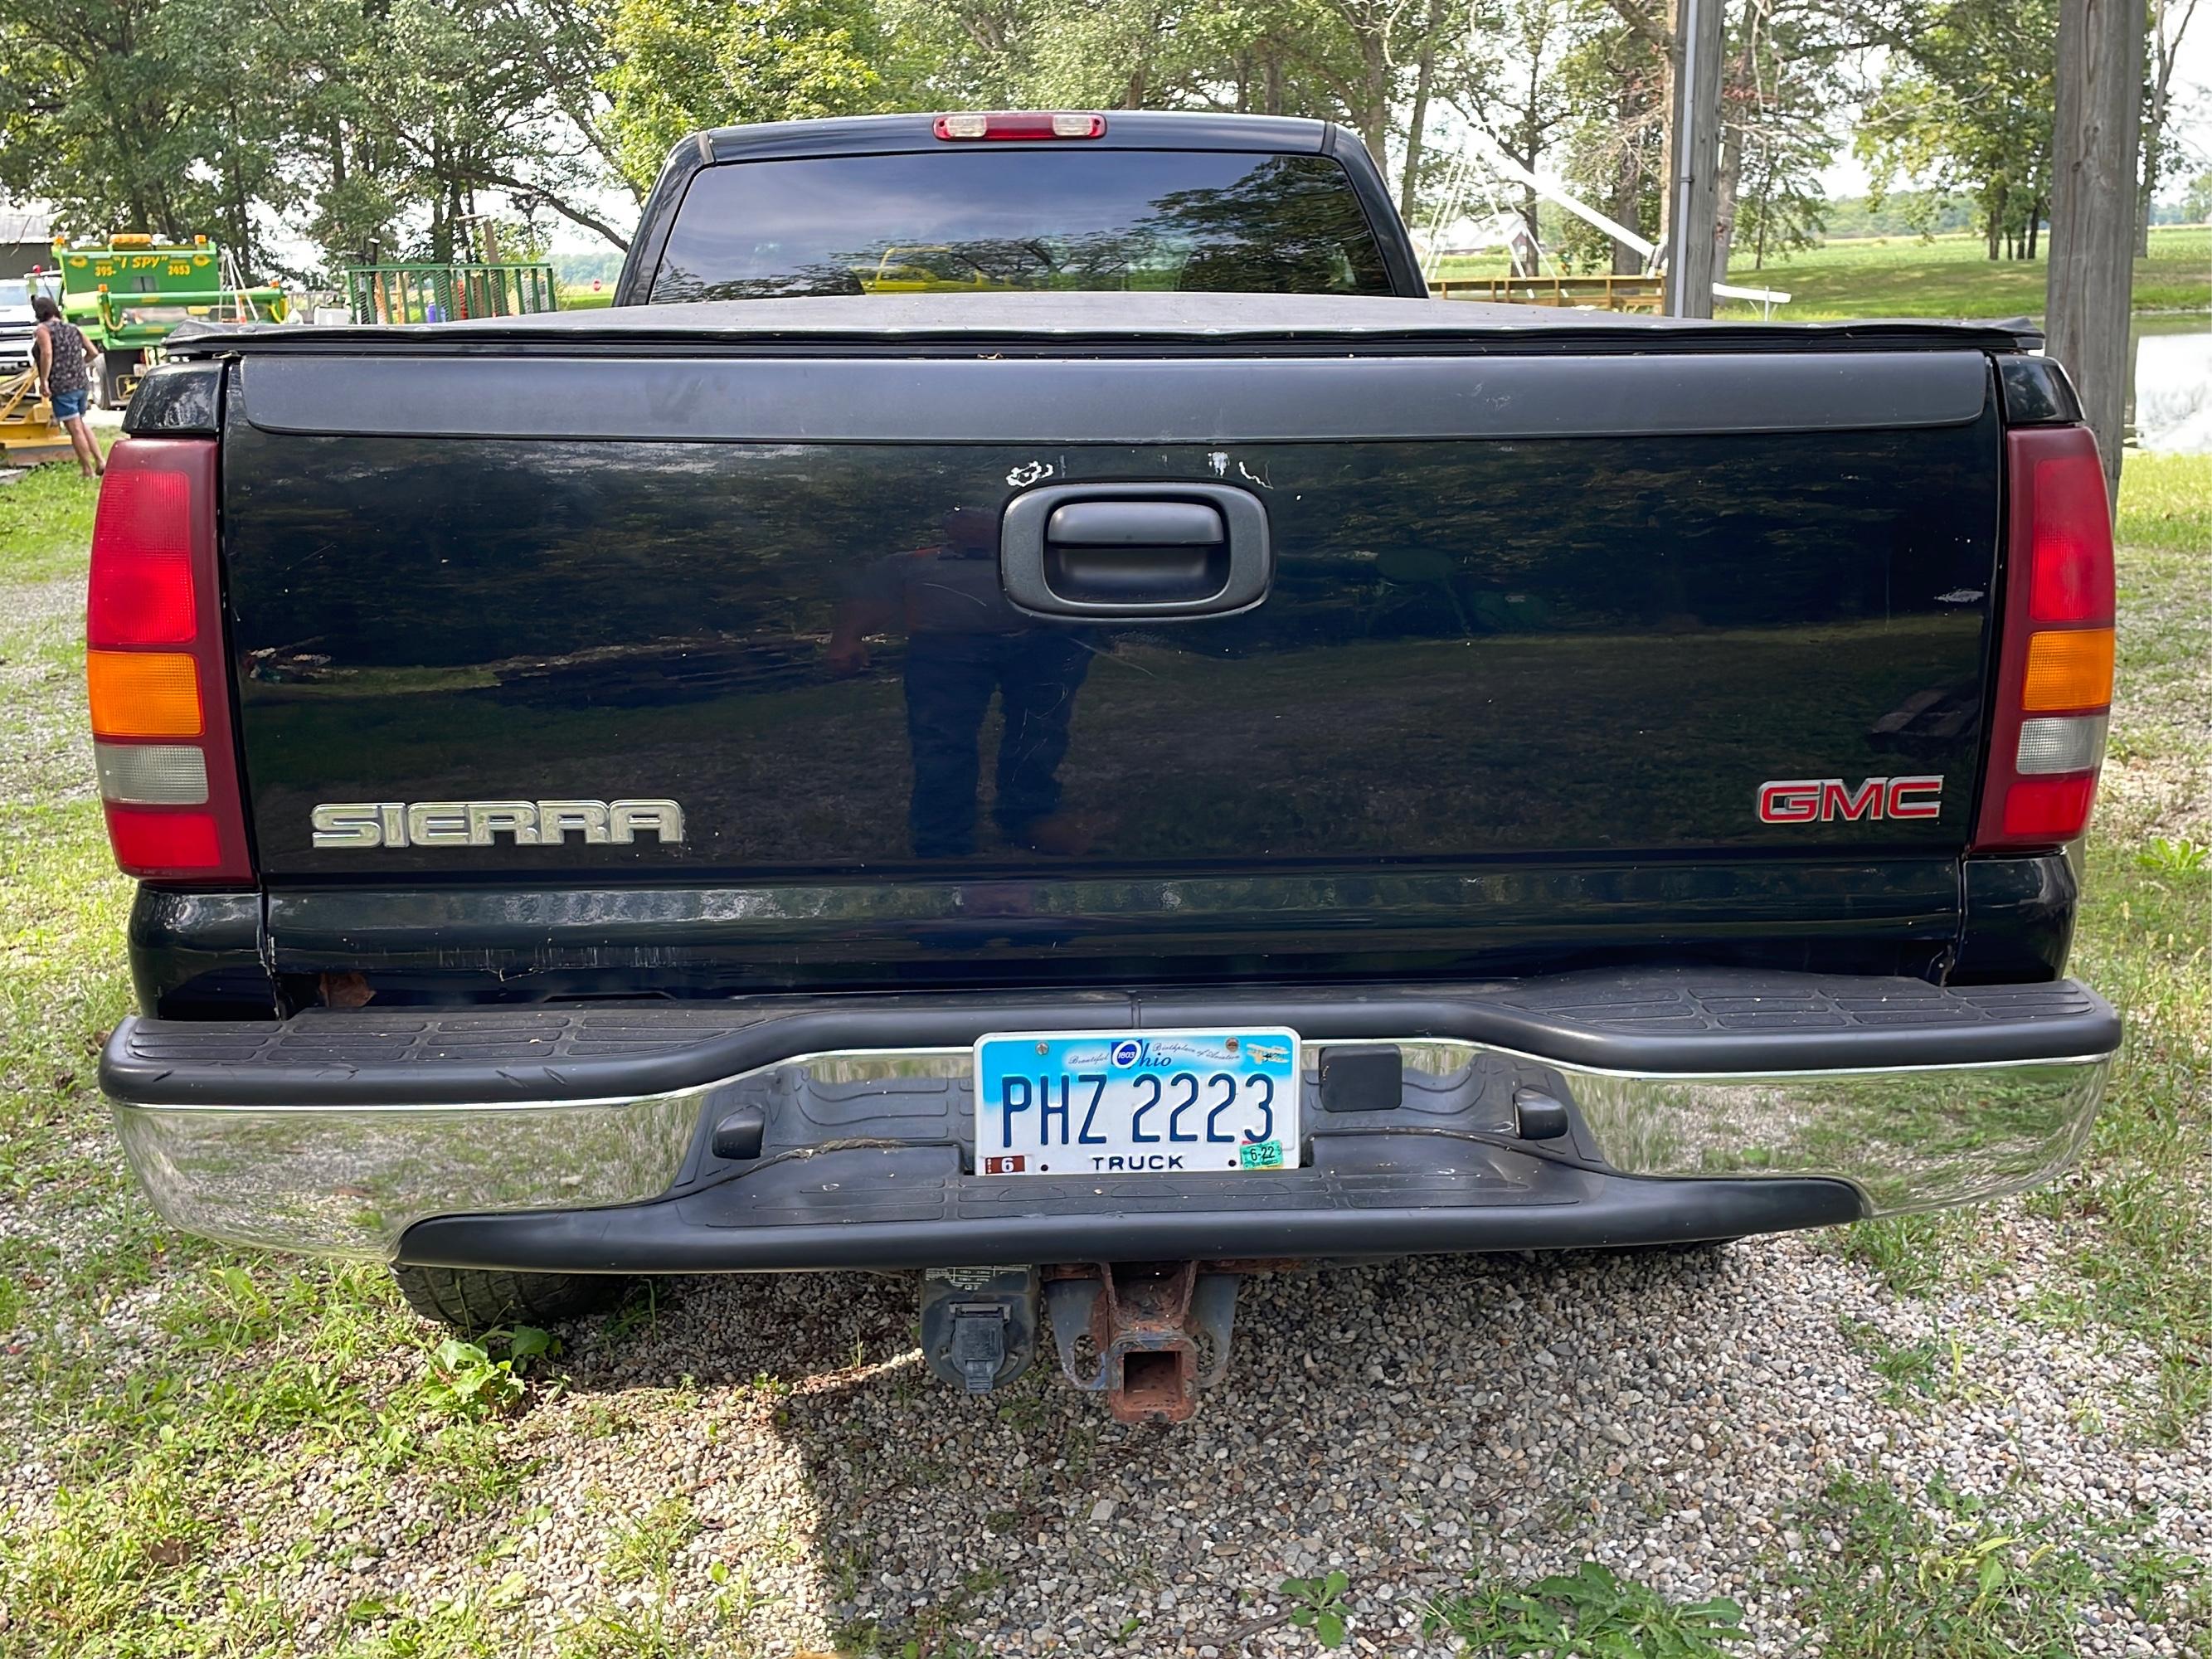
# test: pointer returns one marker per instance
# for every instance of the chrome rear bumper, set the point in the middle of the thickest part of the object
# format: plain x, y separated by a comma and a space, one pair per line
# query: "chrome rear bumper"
349, 1174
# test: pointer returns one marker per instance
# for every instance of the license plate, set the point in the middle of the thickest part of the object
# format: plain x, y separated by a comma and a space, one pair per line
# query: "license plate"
1117, 1102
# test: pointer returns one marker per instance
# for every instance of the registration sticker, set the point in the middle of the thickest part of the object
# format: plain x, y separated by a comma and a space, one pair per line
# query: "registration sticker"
1137, 1103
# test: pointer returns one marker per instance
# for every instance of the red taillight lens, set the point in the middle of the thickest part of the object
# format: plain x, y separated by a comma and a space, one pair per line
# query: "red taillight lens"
160, 709
2070, 578
2055, 650
2049, 809
182, 846
1021, 123
142, 572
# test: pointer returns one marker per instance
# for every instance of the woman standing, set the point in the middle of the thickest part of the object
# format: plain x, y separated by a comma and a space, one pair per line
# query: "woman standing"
65, 360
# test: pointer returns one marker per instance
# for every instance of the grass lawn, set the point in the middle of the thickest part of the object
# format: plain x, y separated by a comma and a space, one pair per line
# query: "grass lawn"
1947, 276
168, 1398
1952, 276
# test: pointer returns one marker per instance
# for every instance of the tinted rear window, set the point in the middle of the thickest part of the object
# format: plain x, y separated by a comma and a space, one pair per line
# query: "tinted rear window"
969, 220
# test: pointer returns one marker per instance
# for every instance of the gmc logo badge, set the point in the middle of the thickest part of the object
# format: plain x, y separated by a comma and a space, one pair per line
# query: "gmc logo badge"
1823, 800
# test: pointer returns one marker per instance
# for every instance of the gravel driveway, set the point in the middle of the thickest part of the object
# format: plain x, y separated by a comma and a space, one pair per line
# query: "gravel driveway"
1420, 1425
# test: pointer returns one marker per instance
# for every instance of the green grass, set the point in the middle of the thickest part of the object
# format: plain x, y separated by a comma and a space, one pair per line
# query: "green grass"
247, 1378
46, 524
1952, 276
1940, 1575
1945, 277
2165, 502
1590, 1613
2132, 1220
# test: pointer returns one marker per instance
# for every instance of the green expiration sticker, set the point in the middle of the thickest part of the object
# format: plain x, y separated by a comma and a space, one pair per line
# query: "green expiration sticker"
1260, 1155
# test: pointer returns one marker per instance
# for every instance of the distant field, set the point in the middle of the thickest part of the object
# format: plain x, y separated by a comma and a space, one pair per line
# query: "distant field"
1947, 276
1889, 277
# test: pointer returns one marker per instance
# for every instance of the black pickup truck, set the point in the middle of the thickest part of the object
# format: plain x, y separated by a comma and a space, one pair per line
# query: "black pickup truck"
1180, 758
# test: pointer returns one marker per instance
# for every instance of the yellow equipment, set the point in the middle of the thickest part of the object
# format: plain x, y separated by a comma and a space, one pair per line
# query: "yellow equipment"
29, 434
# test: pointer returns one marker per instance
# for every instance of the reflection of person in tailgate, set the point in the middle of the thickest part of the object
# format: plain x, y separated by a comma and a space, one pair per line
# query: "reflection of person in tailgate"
965, 642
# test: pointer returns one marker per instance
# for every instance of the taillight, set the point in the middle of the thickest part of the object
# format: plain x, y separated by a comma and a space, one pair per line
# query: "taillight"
155, 669
1022, 123
2055, 654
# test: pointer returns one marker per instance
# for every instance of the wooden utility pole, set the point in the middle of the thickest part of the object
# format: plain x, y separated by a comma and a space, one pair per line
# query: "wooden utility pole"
1693, 157
2093, 208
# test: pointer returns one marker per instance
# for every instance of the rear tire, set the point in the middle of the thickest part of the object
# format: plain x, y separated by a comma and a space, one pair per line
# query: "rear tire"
115, 367
473, 1299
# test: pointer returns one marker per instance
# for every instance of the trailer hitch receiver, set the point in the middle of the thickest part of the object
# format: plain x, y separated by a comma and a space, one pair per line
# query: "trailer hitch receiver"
1158, 1331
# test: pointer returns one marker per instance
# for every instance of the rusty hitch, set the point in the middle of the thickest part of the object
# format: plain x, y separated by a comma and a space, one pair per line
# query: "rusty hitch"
1145, 1320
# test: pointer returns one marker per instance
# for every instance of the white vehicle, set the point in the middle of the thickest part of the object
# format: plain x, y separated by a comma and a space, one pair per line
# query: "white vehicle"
17, 325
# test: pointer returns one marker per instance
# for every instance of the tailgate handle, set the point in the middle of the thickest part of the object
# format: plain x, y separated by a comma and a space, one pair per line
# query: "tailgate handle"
1151, 550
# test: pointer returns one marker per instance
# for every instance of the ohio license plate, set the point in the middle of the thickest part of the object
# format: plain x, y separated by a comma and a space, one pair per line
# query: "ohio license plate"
1116, 1103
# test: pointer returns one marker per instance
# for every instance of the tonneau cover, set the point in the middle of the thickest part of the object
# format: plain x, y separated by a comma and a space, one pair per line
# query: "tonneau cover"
1219, 323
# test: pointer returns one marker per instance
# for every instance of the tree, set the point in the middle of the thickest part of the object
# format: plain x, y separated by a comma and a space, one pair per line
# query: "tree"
1614, 154
2197, 205
2169, 25
1510, 84
1780, 98
153, 115
1966, 106
373, 124
678, 68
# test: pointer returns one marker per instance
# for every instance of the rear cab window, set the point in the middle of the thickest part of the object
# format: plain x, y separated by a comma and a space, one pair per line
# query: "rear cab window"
1020, 219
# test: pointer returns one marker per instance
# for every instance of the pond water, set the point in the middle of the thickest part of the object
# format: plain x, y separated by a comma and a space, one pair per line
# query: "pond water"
2172, 397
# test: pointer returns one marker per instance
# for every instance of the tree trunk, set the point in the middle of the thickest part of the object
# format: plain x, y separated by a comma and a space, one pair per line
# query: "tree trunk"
1732, 150
2093, 214
1724, 202
1670, 70
2147, 192
1627, 189
1417, 119
1374, 115
1627, 182
1531, 141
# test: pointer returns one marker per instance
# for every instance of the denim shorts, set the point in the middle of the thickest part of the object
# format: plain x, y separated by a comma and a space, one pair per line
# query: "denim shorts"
67, 405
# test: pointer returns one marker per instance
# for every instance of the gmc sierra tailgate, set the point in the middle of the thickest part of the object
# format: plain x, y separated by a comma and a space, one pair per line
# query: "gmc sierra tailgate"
747, 596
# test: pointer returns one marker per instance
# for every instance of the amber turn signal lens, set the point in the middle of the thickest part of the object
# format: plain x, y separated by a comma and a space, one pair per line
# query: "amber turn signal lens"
2068, 670
143, 694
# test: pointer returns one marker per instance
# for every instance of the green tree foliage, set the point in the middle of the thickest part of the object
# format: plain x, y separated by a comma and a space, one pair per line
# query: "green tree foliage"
1784, 99
158, 115
1966, 107
383, 129
2197, 201
676, 67
373, 125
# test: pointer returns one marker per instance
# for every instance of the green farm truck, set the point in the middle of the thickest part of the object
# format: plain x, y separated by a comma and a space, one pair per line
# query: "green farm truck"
129, 293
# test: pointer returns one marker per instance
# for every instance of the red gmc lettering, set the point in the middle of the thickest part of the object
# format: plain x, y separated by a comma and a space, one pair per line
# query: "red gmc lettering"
1864, 803
1901, 802
1790, 800
1825, 800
